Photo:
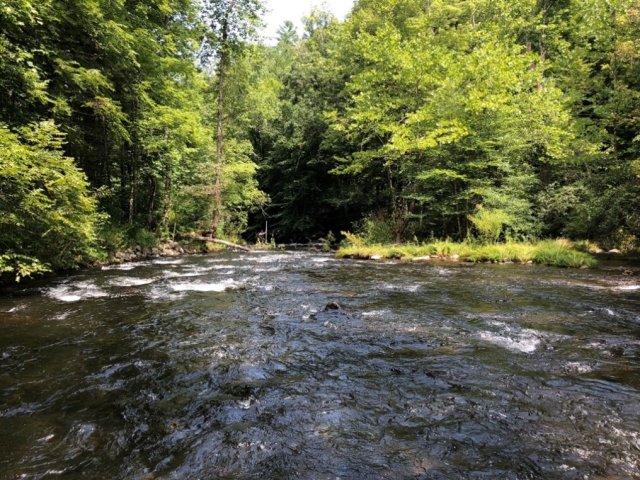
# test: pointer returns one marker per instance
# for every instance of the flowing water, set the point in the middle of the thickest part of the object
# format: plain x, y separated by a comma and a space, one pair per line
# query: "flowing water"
226, 366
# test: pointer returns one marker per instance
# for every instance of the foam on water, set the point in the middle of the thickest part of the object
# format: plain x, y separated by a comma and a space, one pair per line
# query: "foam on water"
122, 266
578, 367
321, 259
522, 340
401, 288
190, 272
517, 344
168, 261
273, 257
377, 313
76, 292
130, 281
205, 287
627, 288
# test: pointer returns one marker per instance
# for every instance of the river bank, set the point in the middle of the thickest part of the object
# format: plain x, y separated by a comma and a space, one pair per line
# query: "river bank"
559, 253
135, 253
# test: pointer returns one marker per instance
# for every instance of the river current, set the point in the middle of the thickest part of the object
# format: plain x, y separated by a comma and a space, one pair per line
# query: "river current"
226, 366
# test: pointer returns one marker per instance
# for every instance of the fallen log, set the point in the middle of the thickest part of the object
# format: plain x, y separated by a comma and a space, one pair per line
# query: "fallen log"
200, 238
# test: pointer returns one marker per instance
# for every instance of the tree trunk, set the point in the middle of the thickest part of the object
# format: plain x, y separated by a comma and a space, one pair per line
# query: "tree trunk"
220, 242
222, 67
167, 204
132, 194
152, 202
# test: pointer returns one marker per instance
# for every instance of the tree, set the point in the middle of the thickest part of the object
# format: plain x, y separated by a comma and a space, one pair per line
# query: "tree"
48, 218
231, 23
451, 113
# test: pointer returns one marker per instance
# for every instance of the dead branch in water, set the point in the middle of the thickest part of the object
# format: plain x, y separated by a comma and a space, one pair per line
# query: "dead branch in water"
200, 238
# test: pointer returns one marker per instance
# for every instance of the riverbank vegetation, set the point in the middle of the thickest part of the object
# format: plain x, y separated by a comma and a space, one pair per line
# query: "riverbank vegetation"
124, 124
559, 253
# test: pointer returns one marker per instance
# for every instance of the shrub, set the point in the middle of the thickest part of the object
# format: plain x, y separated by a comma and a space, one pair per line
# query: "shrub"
489, 223
48, 218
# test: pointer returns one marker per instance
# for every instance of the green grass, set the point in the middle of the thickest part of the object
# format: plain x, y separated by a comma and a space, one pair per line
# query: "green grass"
560, 253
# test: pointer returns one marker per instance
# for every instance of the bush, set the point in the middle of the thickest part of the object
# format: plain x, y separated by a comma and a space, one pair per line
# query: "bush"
489, 223
48, 218
112, 238
376, 228
142, 237
20, 266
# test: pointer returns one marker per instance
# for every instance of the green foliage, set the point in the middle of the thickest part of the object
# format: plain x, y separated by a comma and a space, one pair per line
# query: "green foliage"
352, 239
554, 253
112, 238
376, 228
489, 223
143, 238
21, 266
400, 121
122, 81
46, 211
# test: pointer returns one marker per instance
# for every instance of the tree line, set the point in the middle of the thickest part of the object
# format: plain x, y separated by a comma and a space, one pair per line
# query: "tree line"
126, 121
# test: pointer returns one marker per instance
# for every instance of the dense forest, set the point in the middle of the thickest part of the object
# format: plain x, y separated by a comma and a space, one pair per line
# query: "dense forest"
127, 122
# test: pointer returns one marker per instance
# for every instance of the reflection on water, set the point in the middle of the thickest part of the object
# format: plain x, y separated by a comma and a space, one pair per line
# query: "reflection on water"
226, 366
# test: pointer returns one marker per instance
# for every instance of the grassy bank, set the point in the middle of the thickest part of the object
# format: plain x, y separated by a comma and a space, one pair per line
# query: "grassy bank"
560, 253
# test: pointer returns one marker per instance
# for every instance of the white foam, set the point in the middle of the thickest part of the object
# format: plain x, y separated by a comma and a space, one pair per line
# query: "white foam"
168, 261
376, 313
66, 298
578, 367
524, 344
402, 288
171, 274
191, 272
265, 270
130, 281
205, 287
627, 288
321, 259
271, 258
76, 292
512, 338
123, 266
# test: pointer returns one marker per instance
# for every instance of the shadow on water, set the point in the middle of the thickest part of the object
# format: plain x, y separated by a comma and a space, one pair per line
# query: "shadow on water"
226, 367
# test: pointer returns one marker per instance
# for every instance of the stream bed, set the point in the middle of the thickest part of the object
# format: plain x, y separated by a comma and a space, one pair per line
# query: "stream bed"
226, 366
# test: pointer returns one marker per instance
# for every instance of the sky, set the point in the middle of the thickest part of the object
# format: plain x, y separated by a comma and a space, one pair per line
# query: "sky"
280, 10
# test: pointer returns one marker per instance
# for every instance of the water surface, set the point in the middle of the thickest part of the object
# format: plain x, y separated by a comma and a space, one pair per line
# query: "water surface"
225, 366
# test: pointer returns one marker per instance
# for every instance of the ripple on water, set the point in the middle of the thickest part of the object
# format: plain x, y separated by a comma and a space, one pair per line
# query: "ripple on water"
410, 288
426, 378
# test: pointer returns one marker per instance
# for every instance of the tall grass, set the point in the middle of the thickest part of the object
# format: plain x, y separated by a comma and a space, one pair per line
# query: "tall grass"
561, 253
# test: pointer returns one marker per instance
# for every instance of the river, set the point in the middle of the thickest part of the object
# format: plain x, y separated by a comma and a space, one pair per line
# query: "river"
226, 366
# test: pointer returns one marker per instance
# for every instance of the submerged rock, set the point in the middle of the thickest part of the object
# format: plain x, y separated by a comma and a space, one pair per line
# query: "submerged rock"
332, 306
332, 311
